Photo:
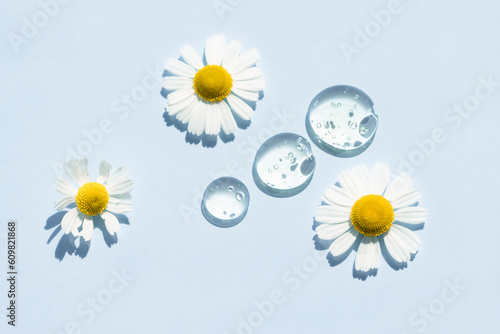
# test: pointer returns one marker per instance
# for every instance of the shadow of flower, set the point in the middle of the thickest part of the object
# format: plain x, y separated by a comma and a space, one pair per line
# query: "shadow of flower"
67, 244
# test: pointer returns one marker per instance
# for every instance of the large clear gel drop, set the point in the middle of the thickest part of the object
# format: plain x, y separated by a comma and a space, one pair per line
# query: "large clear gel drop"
341, 121
225, 202
284, 165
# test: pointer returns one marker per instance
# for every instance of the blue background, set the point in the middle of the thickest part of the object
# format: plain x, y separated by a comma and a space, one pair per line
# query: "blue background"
75, 73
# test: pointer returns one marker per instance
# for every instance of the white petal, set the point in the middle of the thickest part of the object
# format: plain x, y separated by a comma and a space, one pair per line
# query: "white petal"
228, 122
180, 95
368, 256
213, 119
64, 202
75, 230
71, 219
232, 52
177, 108
117, 176
120, 207
208, 118
350, 181
214, 49
242, 109
411, 215
398, 187
196, 124
249, 96
111, 222
248, 74
104, 168
191, 57
241, 63
119, 197
177, 67
408, 237
175, 83
328, 214
201, 124
122, 187
339, 196
380, 176
394, 249
344, 242
83, 163
64, 187
363, 179
406, 199
87, 228
185, 115
331, 231
77, 171
254, 85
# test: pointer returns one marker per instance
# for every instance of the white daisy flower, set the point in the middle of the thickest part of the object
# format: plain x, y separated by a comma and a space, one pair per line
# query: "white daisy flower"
368, 209
104, 197
207, 96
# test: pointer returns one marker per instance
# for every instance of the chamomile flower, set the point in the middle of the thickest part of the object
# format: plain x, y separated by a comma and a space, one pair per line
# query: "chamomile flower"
366, 208
208, 95
104, 197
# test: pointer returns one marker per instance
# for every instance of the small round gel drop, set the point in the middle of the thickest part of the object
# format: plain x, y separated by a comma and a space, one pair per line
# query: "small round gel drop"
292, 161
225, 202
349, 113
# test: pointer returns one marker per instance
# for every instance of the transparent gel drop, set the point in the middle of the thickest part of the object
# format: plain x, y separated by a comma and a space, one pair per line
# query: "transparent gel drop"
225, 202
341, 121
284, 165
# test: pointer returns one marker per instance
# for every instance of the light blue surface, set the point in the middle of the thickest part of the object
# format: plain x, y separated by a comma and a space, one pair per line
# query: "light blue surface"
77, 73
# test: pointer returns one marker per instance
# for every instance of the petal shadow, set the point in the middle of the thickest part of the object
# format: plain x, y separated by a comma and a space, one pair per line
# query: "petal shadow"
67, 244
54, 233
320, 244
122, 219
412, 227
242, 123
208, 140
109, 239
226, 138
83, 248
363, 275
336, 260
54, 220
191, 138
172, 120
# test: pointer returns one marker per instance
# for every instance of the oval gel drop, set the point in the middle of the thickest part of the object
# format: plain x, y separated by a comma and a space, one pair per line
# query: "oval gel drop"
284, 165
225, 202
341, 121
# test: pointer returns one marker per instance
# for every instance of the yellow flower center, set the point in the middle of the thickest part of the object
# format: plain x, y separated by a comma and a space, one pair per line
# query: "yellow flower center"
92, 198
212, 83
372, 215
